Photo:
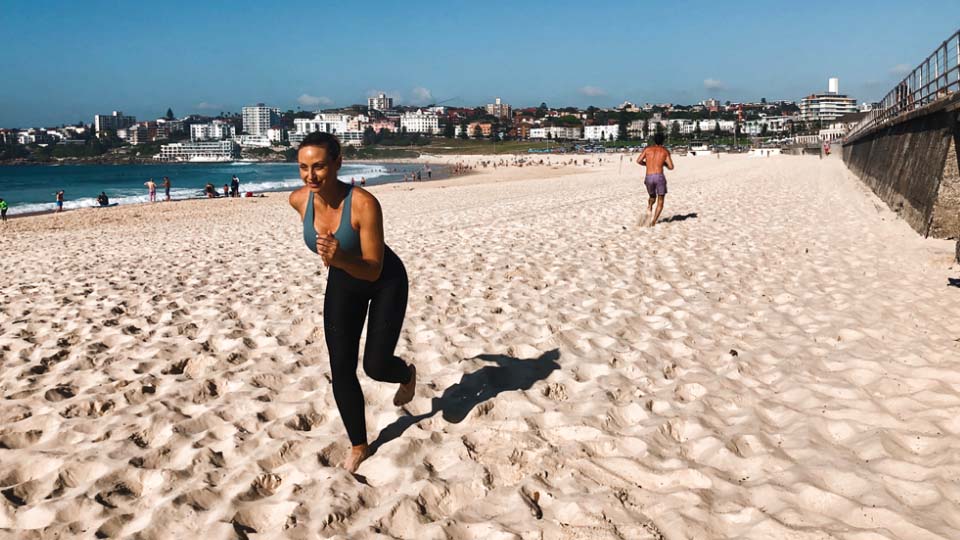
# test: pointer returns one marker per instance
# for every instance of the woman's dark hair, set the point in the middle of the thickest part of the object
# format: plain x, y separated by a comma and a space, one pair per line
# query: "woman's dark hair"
328, 141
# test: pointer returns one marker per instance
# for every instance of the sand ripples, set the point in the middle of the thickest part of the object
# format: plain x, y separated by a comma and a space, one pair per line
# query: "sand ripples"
779, 361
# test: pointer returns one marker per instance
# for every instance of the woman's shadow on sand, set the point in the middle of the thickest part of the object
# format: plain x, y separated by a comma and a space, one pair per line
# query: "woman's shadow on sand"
508, 374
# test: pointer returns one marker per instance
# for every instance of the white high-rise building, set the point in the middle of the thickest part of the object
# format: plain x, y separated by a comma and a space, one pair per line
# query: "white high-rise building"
214, 131
420, 122
258, 119
380, 103
115, 121
827, 106
498, 109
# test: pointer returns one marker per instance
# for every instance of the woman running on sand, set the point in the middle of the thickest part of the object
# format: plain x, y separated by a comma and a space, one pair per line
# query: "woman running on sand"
344, 225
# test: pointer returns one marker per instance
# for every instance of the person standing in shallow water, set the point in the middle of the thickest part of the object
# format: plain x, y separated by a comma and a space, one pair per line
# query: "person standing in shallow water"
654, 157
151, 189
343, 224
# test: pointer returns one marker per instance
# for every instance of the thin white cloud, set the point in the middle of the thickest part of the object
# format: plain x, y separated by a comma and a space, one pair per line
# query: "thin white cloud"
900, 70
312, 101
592, 91
422, 95
204, 106
713, 84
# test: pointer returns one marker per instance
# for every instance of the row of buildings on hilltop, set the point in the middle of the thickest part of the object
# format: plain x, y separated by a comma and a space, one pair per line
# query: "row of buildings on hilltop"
261, 126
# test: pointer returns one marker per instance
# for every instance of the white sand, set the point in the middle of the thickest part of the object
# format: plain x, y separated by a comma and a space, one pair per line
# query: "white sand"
781, 364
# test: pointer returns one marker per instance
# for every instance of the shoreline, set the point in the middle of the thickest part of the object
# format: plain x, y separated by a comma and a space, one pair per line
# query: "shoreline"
441, 168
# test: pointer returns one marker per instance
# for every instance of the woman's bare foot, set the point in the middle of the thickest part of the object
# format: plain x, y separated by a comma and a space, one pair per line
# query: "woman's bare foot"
407, 390
357, 455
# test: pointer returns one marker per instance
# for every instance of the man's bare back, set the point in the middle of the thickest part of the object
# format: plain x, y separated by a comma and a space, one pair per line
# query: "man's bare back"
654, 157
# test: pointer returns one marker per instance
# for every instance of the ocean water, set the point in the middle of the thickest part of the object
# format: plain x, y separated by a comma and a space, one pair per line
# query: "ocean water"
31, 188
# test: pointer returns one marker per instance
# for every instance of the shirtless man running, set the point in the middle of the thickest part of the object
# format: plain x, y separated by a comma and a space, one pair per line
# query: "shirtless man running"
654, 157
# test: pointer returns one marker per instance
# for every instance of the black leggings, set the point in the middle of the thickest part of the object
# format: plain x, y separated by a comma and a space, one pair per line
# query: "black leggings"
344, 310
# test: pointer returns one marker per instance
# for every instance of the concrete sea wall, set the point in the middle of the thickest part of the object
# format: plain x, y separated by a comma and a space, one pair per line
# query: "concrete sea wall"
911, 164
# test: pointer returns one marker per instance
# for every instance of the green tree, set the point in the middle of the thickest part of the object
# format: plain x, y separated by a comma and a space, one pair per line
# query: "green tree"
13, 151
170, 114
763, 130
696, 130
477, 132
622, 121
463, 131
716, 128
674, 129
646, 129
542, 110
448, 130
369, 136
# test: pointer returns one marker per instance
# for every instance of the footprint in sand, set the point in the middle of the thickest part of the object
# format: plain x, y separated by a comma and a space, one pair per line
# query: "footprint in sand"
263, 486
60, 393
19, 439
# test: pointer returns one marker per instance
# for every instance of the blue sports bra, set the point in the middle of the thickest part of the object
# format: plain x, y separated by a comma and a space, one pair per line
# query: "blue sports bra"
348, 237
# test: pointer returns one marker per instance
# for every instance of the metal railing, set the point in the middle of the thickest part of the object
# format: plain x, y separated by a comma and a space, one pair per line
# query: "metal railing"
935, 78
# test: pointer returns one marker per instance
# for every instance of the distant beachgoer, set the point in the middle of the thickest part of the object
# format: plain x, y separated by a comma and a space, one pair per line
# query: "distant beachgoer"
210, 190
226, 190
59, 195
151, 189
353, 181
3, 210
102, 199
363, 181
419, 178
654, 157
366, 283
234, 186
166, 187
429, 173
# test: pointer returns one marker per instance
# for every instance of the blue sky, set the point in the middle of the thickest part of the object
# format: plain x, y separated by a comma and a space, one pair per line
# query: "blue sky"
63, 62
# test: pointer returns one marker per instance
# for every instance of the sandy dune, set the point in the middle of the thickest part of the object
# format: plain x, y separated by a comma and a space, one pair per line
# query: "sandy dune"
777, 360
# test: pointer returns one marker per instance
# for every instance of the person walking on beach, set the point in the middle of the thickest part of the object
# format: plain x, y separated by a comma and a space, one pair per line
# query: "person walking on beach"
234, 186
59, 195
226, 190
343, 224
654, 157
3, 210
166, 187
151, 189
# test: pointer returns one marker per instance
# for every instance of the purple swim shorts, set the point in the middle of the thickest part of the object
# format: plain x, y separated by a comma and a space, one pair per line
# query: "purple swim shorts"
656, 184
